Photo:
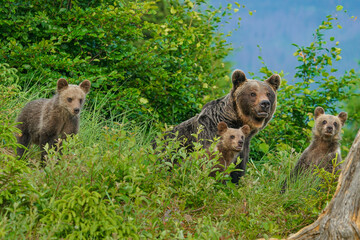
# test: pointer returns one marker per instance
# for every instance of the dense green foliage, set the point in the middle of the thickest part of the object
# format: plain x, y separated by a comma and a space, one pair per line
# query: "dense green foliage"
151, 68
316, 85
352, 106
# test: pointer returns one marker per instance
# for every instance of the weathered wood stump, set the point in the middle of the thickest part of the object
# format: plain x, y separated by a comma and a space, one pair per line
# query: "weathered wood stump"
341, 218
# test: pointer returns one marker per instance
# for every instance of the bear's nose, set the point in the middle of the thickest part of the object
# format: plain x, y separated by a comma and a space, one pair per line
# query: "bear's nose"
76, 110
240, 142
265, 104
329, 128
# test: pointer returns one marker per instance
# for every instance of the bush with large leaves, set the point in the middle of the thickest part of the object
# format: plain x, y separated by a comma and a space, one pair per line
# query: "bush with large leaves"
316, 85
149, 67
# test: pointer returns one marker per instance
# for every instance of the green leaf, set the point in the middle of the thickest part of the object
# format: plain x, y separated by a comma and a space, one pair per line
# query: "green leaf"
339, 7
264, 147
307, 91
311, 123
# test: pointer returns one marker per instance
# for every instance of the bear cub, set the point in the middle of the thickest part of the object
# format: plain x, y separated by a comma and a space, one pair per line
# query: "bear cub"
325, 143
44, 120
230, 144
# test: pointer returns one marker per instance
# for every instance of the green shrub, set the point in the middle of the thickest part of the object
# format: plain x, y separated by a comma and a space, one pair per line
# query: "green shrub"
16, 189
82, 214
351, 105
164, 68
8, 131
17, 194
316, 85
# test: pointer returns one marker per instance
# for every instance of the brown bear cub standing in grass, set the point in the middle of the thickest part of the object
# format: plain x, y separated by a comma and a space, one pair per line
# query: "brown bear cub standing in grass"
44, 120
230, 144
250, 102
324, 145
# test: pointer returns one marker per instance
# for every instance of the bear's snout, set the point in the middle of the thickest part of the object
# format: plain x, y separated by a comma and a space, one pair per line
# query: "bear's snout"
329, 129
240, 145
265, 105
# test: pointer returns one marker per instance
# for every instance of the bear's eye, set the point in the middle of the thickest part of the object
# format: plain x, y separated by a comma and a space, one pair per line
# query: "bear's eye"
335, 124
268, 94
232, 136
253, 94
242, 137
324, 122
81, 100
69, 99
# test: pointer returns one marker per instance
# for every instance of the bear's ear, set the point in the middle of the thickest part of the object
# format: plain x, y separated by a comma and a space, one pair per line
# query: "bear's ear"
85, 86
222, 128
274, 81
342, 116
245, 129
318, 111
238, 78
61, 84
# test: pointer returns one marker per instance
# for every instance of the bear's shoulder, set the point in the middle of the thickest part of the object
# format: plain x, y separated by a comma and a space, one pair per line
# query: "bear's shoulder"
215, 102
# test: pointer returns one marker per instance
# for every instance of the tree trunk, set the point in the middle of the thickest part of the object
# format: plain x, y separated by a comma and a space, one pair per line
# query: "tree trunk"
341, 218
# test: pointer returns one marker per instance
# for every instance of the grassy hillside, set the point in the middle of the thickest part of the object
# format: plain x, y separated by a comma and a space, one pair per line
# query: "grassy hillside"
109, 183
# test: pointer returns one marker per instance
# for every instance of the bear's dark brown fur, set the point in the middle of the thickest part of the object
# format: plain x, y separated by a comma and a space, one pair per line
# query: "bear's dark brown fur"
44, 120
230, 144
250, 102
324, 146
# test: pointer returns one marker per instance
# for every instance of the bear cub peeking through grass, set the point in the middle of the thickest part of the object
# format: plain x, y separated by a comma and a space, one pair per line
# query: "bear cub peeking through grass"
324, 146
230, 144
44, 120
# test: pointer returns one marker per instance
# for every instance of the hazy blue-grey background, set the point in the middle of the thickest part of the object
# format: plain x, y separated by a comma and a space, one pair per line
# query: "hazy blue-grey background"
276, 24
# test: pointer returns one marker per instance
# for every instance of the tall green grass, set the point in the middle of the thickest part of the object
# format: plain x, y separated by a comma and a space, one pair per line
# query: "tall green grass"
109, 183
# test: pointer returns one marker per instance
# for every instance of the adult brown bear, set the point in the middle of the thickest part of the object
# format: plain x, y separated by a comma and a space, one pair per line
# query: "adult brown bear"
250, 102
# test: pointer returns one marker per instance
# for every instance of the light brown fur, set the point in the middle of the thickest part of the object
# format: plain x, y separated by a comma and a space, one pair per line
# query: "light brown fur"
44, 120
324, 145
230, 144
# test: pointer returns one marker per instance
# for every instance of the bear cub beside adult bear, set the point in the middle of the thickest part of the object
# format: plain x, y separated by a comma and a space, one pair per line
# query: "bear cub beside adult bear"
44, 120
250, 102
324, 146
230, 144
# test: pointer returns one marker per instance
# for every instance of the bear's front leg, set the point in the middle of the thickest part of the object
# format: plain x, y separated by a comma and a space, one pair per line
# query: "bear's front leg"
46, 139
23, 139
244, 158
